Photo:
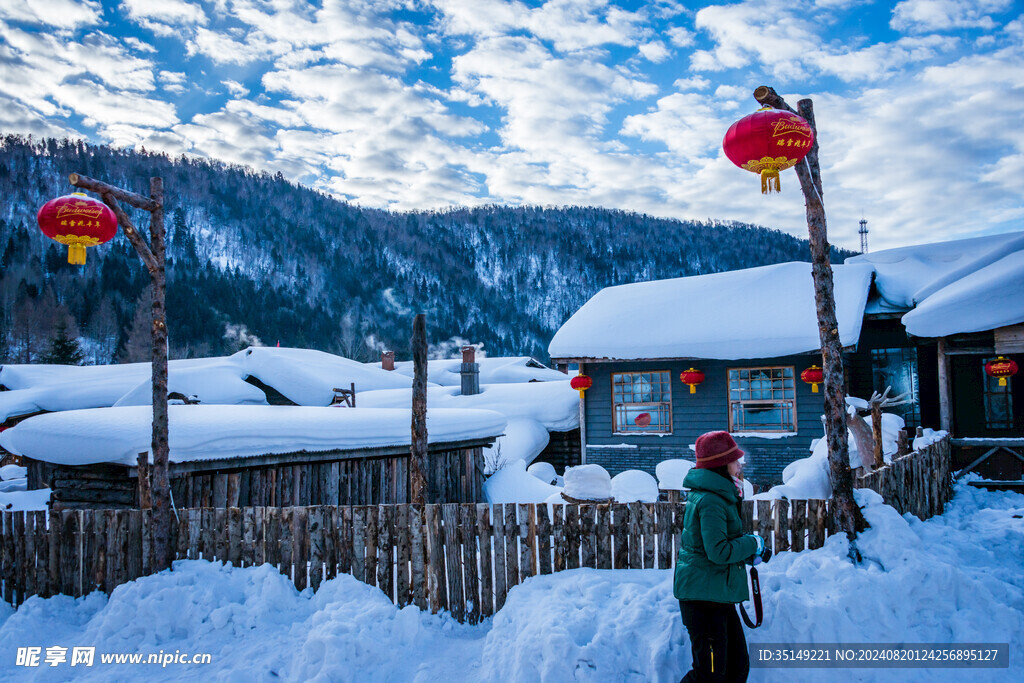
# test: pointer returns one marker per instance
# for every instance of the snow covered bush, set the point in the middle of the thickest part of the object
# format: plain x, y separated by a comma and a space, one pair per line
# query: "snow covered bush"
588, 482
634, 486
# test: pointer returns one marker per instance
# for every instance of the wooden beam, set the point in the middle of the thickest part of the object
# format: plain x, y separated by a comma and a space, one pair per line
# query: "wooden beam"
583, 425
100, 187
945, 390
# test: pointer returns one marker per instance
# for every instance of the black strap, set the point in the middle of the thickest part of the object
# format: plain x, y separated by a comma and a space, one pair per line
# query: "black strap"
755, 590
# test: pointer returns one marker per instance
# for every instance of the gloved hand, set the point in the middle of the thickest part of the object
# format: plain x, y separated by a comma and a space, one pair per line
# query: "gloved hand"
763, 552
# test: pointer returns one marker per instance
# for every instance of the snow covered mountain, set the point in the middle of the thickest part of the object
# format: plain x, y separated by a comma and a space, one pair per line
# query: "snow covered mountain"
255, 259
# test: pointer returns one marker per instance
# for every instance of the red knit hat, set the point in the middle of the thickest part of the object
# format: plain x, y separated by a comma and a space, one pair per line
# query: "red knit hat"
715, 449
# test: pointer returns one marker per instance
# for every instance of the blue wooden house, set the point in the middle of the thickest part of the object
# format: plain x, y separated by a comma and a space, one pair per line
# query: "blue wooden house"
753, 332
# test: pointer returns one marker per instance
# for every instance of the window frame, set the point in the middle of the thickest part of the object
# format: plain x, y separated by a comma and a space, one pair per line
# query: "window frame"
668, 404
730, 402
992, 392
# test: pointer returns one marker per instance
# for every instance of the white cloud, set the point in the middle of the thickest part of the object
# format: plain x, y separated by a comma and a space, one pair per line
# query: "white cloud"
235, 88
680, 37
692, 83
654, 51
165, 17
63, 14
919, 16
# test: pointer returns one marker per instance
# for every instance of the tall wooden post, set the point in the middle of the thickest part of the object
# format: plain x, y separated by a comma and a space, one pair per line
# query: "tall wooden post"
847, 515
418, 449
945, 390
153, 258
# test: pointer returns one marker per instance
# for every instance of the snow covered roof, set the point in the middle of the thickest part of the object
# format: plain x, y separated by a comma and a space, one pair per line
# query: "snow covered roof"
555, 405
953, 287
908, 275
211, 432
303, 376
497, 370
752, 313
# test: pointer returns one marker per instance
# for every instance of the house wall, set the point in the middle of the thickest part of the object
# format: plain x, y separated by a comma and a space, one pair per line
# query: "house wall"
695, 414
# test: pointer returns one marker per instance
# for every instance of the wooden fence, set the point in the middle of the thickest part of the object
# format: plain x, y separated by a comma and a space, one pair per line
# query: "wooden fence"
463, 558
920, 483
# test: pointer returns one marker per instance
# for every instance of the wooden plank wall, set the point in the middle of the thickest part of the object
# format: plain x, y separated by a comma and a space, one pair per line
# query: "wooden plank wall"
460, 557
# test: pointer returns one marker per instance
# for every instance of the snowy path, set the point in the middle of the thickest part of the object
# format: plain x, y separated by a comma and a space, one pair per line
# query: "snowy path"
957, 578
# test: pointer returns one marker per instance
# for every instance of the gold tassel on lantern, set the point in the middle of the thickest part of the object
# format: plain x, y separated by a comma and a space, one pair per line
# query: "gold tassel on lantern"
767, 175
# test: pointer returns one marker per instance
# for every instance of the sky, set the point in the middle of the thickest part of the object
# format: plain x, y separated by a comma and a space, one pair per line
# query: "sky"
427, 104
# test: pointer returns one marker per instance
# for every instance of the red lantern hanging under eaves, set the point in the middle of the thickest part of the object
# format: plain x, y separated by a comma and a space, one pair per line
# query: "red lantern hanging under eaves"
581, 383
813, 376
691, 377
78, 221
768, 141
1001, 368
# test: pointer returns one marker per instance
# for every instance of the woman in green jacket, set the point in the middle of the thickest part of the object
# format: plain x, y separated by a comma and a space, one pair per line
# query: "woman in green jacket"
711, 574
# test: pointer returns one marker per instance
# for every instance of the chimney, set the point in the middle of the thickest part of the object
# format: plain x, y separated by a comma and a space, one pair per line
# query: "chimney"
387, 360
470, 371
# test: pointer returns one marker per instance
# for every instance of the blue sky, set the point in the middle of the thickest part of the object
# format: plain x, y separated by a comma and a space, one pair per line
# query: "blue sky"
424, 104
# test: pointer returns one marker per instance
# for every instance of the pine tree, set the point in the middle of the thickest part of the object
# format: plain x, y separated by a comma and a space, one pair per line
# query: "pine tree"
64, 349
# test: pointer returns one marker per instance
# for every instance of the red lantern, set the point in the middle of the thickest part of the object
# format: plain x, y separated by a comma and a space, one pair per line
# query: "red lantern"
581, 383
813, 376
768, 141
642, 420
1002, 368
77, 221
691, 377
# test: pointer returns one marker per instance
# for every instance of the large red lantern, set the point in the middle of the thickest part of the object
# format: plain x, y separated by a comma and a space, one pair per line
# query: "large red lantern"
1002, 368
78, 221
691, 377
768, 141
581, 383
813, 376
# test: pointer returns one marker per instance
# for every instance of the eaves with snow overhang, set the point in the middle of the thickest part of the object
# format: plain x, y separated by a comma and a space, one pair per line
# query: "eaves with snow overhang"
951, 288
761, 312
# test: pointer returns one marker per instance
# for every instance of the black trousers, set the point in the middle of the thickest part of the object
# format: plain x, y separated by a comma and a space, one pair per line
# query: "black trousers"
717, 640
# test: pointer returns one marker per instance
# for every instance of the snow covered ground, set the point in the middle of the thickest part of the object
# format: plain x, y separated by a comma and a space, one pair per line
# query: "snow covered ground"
955, 578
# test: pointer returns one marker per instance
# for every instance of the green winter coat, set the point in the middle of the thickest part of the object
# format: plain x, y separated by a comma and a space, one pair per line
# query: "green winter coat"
712, 548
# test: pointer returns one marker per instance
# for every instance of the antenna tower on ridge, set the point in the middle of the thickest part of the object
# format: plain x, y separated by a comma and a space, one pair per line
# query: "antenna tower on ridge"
863, 236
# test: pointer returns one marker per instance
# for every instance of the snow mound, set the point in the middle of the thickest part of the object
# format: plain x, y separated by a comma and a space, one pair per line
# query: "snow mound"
672, 472
524, 439
493, 370
634, 486
544, 471
513, 484
8, 472
808, 478
587, 482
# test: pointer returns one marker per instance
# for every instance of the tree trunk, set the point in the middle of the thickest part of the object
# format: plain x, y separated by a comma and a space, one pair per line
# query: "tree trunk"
848, 516
418, 450
163, 517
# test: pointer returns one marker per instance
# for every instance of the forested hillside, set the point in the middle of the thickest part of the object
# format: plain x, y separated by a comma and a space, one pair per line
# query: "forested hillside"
253, 258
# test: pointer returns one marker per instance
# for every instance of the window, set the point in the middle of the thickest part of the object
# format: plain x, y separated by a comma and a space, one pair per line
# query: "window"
762, 400
897, 368
642, 402
998, 400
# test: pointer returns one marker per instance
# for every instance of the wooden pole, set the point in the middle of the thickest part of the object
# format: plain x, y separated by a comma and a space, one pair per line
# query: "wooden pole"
419, 491
847, 515
152, 256
876, 433
145, 494
945, 390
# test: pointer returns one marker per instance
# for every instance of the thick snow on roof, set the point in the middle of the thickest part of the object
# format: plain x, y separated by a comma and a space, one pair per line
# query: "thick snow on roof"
555, 405
752, 313
303, 376
988, 298
118, 435
498, 370
908, 275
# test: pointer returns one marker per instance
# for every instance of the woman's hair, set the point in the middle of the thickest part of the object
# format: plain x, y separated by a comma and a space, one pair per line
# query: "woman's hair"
722, 470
